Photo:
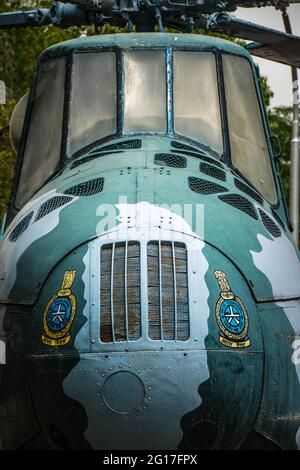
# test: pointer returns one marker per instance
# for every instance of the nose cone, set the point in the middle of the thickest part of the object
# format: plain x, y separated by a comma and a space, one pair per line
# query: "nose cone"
163, 341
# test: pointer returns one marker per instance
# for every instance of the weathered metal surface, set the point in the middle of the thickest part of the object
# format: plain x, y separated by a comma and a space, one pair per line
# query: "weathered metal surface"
138, 275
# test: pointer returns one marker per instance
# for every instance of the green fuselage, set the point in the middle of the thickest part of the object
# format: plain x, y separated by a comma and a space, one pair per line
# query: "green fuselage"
149, 295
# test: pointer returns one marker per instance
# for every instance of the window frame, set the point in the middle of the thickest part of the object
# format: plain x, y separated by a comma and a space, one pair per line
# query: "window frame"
64, 158
265, 126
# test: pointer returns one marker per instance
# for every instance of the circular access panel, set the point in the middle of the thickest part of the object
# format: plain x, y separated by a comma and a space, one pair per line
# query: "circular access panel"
123, 392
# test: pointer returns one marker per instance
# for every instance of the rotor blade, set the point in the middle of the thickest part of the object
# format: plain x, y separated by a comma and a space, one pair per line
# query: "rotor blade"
268, 43
62, 15
286, 52
20, 19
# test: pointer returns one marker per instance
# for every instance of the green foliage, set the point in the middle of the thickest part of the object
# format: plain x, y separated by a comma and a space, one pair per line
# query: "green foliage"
266, 90
280, 120
19, 50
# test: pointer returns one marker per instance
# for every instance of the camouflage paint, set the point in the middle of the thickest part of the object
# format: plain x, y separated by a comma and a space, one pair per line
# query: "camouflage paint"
193, 388
168, 383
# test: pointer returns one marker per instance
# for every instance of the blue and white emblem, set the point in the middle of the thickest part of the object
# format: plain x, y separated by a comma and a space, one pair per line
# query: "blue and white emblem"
59, 314
232, 317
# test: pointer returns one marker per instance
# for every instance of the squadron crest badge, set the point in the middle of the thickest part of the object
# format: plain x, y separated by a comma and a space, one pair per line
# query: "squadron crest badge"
232, 317
59, 313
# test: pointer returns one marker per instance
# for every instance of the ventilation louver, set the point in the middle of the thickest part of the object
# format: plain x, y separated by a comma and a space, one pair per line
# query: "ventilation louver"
269, 224
279, 219
120, 299
168, 304
127, 145
203, 157
202, 186
240, 203
212, 171
87, 188
175, 161
20, 227
88, 158
249, 191
180, 146
51, 205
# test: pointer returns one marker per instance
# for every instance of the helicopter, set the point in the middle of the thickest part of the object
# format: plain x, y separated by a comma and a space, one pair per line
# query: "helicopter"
149, 281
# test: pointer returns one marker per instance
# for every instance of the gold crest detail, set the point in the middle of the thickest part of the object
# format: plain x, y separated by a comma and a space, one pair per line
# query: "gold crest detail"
231, 315
60, 313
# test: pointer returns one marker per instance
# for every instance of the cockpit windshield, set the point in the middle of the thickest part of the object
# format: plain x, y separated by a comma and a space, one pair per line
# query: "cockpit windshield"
196, 98
248, 145
145, 92
93, 102
169, 92
43, 145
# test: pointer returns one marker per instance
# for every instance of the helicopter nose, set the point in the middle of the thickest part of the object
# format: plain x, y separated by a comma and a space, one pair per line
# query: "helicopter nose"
149, 339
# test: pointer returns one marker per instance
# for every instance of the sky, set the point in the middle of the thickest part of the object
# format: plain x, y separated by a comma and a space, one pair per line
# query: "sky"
279, 76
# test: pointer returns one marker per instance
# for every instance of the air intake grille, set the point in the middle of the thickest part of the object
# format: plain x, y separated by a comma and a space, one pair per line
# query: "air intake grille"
168, 304
168, 159
120, 292
240, 203
249, 191
279, 219
88, 159
205, 187
272, 228
88, 188
201, 157
51, 205
128, 145
180, 146
21, 227
212, 171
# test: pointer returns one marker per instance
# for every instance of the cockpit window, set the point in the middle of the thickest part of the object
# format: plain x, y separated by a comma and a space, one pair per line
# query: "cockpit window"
93, 100
43, 143
249, 150
145, 91
196, 99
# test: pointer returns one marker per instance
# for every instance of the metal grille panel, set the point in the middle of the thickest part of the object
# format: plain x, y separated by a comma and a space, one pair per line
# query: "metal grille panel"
89, 158
212, 171
168, 305
88, 188
51, 205
240, 203
279, 219
175, 161
180, 146
201, 186
249, 191
202, 156
120, 317
128, 145
20, 228
269, 224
